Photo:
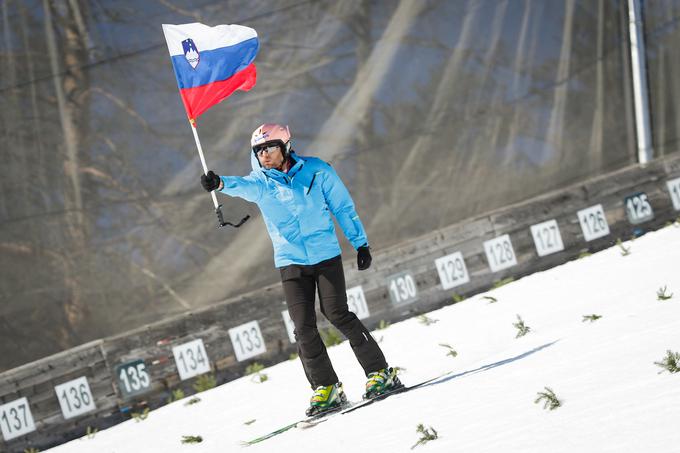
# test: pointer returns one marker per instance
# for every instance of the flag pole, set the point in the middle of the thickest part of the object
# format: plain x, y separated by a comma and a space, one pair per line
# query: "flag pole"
218, 207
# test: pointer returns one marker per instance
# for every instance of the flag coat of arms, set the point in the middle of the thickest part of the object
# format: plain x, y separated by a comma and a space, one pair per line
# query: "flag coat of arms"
210, 63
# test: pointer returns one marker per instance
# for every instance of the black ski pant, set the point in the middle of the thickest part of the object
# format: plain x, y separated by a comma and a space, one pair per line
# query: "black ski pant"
300, 284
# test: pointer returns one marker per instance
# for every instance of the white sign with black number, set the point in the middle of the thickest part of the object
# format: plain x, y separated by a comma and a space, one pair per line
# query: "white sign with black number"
357, 302
402, 288
638, 208
75, 397
16, 419
547, 238
191, 359
593, 222
452, 270
247, 340
674, 190
499, 253
290, 326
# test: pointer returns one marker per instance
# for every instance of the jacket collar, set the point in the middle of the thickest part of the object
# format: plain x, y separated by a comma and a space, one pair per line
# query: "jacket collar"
277, 174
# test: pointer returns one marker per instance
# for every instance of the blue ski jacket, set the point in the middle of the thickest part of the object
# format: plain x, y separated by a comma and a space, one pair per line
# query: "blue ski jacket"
297, 207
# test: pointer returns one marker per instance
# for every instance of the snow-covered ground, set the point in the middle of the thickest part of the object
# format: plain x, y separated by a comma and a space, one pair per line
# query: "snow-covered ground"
614, 398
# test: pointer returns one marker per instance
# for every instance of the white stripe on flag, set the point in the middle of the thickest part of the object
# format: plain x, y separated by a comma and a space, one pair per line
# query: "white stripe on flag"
205, 37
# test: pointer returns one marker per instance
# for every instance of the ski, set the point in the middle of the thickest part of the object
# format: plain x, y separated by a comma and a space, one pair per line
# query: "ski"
310, 422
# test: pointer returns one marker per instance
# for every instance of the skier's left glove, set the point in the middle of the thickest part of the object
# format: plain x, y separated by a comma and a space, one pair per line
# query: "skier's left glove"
210, 181
364, 257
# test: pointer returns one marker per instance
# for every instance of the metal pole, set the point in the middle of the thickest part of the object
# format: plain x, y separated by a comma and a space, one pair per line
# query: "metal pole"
640, 87
218, 207
192, 123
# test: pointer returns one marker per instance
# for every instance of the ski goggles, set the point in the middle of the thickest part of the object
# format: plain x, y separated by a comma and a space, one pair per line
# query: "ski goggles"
266, 148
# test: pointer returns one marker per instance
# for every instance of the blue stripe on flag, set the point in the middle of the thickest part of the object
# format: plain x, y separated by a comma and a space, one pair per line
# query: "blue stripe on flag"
216, 64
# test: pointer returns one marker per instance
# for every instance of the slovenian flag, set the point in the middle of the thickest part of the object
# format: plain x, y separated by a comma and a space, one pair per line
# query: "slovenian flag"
210, 63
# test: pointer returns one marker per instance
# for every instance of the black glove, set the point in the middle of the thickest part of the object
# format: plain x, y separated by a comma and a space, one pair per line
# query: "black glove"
210, 181
364, 257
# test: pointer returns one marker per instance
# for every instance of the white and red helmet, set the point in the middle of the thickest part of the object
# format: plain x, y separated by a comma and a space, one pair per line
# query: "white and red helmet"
270, 133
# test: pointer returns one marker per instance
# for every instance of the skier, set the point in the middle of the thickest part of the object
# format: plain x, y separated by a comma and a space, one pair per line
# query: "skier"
296, 195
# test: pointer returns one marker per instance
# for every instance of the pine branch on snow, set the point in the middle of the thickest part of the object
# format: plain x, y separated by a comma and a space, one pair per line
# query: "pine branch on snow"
624, 251
205, 382
549, 399
191, 439
522, 329
427, 434
427, 321
591, 318
452, 352
670, 363
661, 294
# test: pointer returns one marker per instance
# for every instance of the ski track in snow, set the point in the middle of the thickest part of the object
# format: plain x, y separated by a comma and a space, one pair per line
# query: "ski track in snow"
613, 397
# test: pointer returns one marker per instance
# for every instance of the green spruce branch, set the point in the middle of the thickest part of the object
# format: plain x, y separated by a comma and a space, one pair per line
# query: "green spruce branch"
255, 369
492, 300
624, 251
383, 324
192, 439
31, 450
522, 329
427, 321
591, 318
176, 395
426, 435
661, 294
192, 401
503, 282
549, 399
451, 352
90, 433
331, 336
139, 416
250, 422
457, 298
670, 363
205, 382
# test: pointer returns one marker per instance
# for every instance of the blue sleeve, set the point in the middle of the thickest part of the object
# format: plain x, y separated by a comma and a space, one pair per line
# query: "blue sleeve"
249, 187
341, 205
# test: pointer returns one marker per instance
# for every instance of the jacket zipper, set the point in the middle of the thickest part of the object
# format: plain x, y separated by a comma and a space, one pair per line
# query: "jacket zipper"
311, 183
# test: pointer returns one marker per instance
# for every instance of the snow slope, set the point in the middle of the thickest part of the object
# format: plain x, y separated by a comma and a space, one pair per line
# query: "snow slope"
613, 396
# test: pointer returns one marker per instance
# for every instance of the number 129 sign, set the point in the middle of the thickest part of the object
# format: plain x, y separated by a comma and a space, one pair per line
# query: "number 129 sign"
452, 270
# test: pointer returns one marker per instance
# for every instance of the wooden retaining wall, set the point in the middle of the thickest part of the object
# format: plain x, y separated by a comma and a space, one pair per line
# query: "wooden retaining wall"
101, 383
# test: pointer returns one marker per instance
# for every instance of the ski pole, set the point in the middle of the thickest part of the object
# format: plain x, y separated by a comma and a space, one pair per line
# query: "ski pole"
218, 207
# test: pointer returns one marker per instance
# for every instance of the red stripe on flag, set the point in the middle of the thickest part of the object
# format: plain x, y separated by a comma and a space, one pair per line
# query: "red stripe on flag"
199, 99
